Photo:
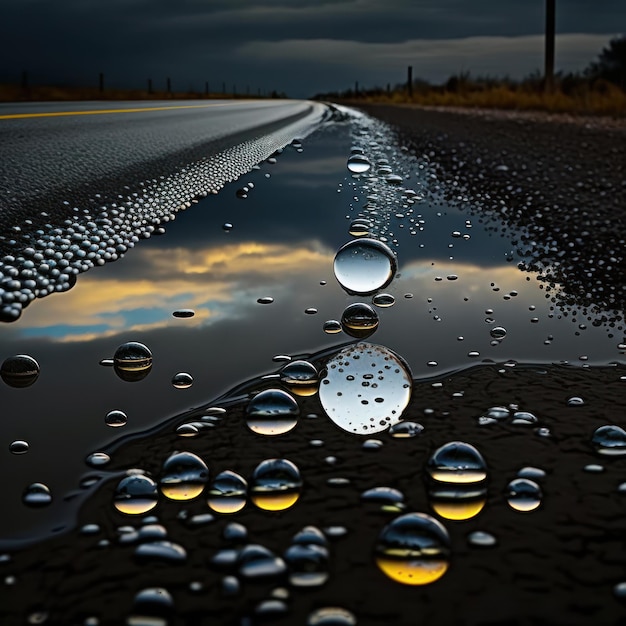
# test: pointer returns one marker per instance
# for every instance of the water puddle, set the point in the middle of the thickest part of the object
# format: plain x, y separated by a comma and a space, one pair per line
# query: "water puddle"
338, 367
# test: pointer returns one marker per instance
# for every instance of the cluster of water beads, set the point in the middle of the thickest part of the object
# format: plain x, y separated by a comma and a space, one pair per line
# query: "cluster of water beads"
457, 481
20, 370
413, 549
366, 388
505, 415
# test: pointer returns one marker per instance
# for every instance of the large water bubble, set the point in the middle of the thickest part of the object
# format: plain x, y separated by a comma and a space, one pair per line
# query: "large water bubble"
184, 476
609, 440
366, 388
363, 266
275, 484
523, 494
413, 549
272, 412
20, 370
358, 164
132, 361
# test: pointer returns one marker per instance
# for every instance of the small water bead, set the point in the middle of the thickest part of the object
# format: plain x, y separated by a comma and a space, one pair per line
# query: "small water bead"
227, 227
272, 412
575, 401
332, 327
359, 228
366, 388
481, 539
37, 495
182, 380
228, 493
39, 617
187, 430
107, 362
275, 484
523, 418
359, 320
184, 476
311, 311
116, 418
594, 468
372, 444
300, 377
132, 361
406, 430
498, 332
533, 473
257, 562
331, 616
19, 447
385, 499
98, 459
265, 300
413, 549
358, 164
523, 495
183, 313
363, 266
19, 371
609, 440
383, 300
136, 495
152, 606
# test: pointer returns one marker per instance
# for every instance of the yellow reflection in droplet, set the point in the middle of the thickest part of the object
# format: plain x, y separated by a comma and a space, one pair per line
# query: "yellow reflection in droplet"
457, 476
181, 491
525, 505
136, 506
275, 501
303, 390
226, 505
413, 572
457, 510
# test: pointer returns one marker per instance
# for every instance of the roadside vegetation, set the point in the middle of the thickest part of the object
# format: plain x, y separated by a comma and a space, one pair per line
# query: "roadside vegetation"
600, 90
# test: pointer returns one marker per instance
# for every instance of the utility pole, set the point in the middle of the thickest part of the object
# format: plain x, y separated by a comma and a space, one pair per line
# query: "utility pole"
549, 51
409, 81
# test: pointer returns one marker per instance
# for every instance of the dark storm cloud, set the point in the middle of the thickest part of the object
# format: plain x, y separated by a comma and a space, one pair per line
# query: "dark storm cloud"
220, 40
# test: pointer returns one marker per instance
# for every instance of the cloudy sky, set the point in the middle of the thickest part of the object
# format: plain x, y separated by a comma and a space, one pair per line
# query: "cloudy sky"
301, 47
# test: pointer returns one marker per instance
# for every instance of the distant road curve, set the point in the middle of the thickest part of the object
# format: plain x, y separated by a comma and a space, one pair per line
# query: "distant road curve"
86, 180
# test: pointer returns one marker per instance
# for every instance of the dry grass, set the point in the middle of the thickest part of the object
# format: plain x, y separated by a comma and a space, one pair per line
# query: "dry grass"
606, 100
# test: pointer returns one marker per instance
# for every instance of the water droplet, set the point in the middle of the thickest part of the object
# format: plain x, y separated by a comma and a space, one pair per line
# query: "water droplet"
383, 300
307, 563
533, 473
332, 327
98, 459
20, 370
363, 266
37, 495
300, 377
523, 494
132, 361
227, 226
359, 320
413, 549
366, 388
620, 591
151, 607
331, 616
498, 332
275, 484
136, 495
575, 401
457, 481
255, 561
182, 380
19, 447
482, 539
39, 617
115, 418
359, 228
358, 164
265, 300
311, 311
523, 418
184, 313
457, 462
609, 440
272, 412
405, 430
228, 493
372, 444
384, 499
184, 476
161, 550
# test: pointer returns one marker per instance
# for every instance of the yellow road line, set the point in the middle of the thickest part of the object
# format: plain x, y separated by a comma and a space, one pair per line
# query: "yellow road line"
17, 116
